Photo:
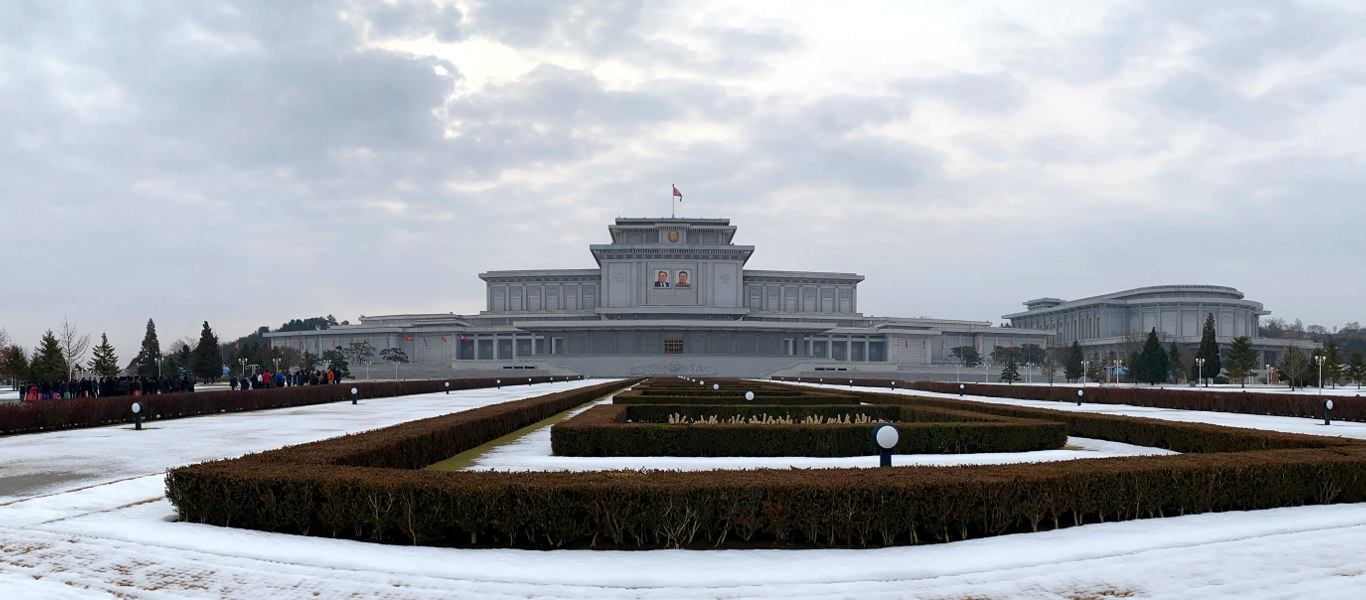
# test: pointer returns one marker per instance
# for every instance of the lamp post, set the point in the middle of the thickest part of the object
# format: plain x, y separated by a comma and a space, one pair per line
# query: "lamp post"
1200, 370
1319, 359
277, 365
1328, 412
243, 369
749, 396
137, 416
1080, 393
1115, 370
354, 394
960, 390
1085, 364
448, 388
885, 437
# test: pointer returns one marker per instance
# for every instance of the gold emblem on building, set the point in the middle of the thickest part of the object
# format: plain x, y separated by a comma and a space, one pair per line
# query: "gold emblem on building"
673, 236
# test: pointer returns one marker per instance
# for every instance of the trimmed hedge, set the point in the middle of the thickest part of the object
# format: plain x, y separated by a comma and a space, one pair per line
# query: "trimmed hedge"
314, 489
1345, 408
604, 431
48, 415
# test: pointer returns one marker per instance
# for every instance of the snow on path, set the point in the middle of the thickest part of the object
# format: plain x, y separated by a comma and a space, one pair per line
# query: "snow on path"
1346, 429
113, 535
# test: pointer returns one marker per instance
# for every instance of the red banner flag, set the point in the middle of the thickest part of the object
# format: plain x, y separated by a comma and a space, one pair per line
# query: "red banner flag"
677, 194
443, 340
463, 338
408, 338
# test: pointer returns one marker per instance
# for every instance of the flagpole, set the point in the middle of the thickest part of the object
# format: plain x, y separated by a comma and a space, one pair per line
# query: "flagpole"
671, 201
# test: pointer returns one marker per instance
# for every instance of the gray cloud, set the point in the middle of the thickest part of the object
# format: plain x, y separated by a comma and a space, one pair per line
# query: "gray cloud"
990, 93
250, 162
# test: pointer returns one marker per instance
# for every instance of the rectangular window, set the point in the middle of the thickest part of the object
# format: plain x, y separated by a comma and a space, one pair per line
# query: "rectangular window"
523, 346
673, 346
485, 349
856, 351
504, 348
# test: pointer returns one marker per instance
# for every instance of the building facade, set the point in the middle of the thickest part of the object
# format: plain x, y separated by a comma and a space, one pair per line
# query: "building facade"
1118, 321
668, 296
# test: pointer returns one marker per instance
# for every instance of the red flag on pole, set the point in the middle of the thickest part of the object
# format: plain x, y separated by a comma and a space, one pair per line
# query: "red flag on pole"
443, 340
677, 194
408, 338
463, 338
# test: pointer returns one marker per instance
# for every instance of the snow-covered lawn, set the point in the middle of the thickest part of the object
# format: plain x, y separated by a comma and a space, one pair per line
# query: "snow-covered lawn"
1286, 424
106, 531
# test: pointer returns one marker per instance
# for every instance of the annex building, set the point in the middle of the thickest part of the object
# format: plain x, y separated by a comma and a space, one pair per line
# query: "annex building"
670, 296
1120, 321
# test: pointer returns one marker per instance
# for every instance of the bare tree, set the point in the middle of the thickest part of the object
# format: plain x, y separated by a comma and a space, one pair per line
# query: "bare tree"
4, 338
73, 343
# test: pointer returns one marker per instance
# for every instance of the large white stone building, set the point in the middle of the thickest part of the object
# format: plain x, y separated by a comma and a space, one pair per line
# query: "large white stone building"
669, 296
1114, 322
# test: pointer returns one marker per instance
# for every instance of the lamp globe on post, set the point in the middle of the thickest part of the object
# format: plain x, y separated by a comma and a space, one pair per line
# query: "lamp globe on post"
1328, 411
499, 383
1080, 393
448, 388
355, 394
885, 437
137, 416
715, 386
749, 396
960, 390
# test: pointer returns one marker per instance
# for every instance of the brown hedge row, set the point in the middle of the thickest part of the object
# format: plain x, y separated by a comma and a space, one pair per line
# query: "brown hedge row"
47, 415
603, 431
760, 508
1345, 408
310, 489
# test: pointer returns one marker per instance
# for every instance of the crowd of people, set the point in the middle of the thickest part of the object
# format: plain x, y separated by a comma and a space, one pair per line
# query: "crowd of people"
103, 387
267, 379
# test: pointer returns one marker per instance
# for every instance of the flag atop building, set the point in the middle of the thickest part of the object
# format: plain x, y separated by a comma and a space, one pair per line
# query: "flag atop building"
677, 194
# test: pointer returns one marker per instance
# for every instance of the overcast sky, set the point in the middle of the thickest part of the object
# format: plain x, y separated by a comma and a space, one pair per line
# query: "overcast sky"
250, 162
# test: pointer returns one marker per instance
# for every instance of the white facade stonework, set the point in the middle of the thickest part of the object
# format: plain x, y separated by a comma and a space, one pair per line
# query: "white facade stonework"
668, 296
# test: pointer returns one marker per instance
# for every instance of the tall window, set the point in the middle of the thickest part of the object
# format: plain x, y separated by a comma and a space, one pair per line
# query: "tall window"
673, 346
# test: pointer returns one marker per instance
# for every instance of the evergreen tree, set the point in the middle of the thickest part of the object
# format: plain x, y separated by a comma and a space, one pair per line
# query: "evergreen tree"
1332, 363
1293, 365
336, 359
1011, 372
967, 355
13, 365
103, 360
19, 366
1209, 350
1072, 369
48, 363
1152, 361
151, 352
1242, 359
309, 361
1174, 364
208, 362
1356, 367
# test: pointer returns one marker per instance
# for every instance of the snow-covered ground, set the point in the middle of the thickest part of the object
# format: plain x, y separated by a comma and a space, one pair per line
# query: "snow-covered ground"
1341, 390
1286, 424
106, 531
